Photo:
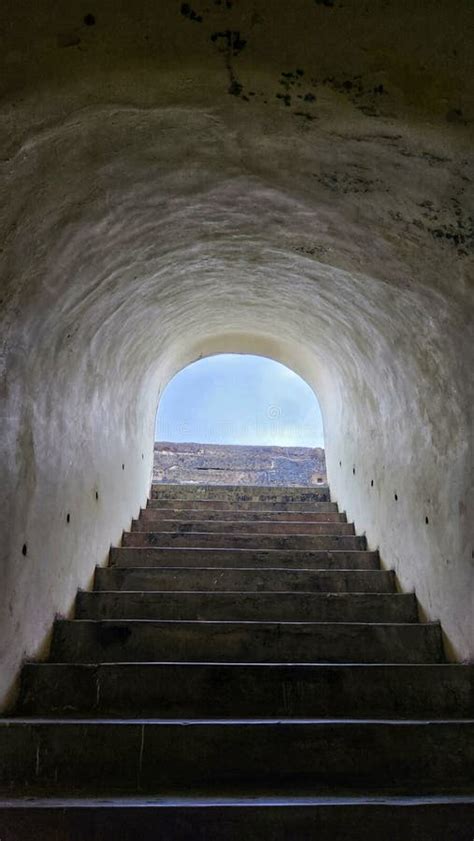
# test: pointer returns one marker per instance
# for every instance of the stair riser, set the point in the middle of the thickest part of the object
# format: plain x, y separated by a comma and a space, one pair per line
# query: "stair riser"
232, 527
407, 822
206, 691
244, 541
95, 642
363, 581
155, 515
187, 557
103, 757
252, 506
263, 607
237, 493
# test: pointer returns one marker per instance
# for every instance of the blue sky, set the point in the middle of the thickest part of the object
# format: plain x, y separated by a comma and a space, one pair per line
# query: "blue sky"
234, 399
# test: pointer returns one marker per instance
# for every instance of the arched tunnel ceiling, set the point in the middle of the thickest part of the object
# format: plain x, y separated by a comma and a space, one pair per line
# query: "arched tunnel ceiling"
293, 179
250, 156
251, 152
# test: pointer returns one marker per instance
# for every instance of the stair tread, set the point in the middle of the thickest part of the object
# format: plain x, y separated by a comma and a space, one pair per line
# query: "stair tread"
199, 486
245, 533
243, 551
302, 570
261, 593
253, 506
228, 515
249, 664
337, 553
189, 556
232, 722
251, 622
241, 579
257, 800
183, 520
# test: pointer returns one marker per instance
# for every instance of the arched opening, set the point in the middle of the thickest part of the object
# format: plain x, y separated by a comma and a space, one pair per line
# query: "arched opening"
239, 419
239, 399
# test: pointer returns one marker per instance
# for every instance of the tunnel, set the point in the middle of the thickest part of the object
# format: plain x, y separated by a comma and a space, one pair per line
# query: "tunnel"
286, 180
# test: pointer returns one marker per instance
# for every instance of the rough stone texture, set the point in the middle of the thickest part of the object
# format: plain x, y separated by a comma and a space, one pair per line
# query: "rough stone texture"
220, 464
288, 179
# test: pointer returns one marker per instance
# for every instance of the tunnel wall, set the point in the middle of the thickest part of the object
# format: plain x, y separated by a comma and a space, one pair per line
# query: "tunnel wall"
299, 188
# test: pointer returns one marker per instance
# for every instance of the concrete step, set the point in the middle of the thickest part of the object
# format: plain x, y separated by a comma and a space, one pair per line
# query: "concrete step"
242, 493
154, 515
329, 542
230, 527
207, 690
252, 506
244, 580
290, 558
259, 606
183, 818
89, 641
103, 756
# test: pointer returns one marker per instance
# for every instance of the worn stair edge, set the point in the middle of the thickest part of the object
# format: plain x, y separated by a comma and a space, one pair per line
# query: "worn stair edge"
258, 606
243, 579
231, 819
236, 514
244, 540
298, 493
208, 690
322, 756
284, 528
130, 640
244, 505
133, 556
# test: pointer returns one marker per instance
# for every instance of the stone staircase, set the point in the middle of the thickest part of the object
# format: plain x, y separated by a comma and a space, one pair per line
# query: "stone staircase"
243, 669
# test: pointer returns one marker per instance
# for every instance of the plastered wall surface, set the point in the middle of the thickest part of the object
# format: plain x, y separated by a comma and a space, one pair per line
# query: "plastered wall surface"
293, 180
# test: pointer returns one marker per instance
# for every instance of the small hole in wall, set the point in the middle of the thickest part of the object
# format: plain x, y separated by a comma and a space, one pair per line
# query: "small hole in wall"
97, 494
24, 549
340, 464
143, 456
123, 467
371, 483
395, 496
426, 520
68, 518
353, 471
89, 20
